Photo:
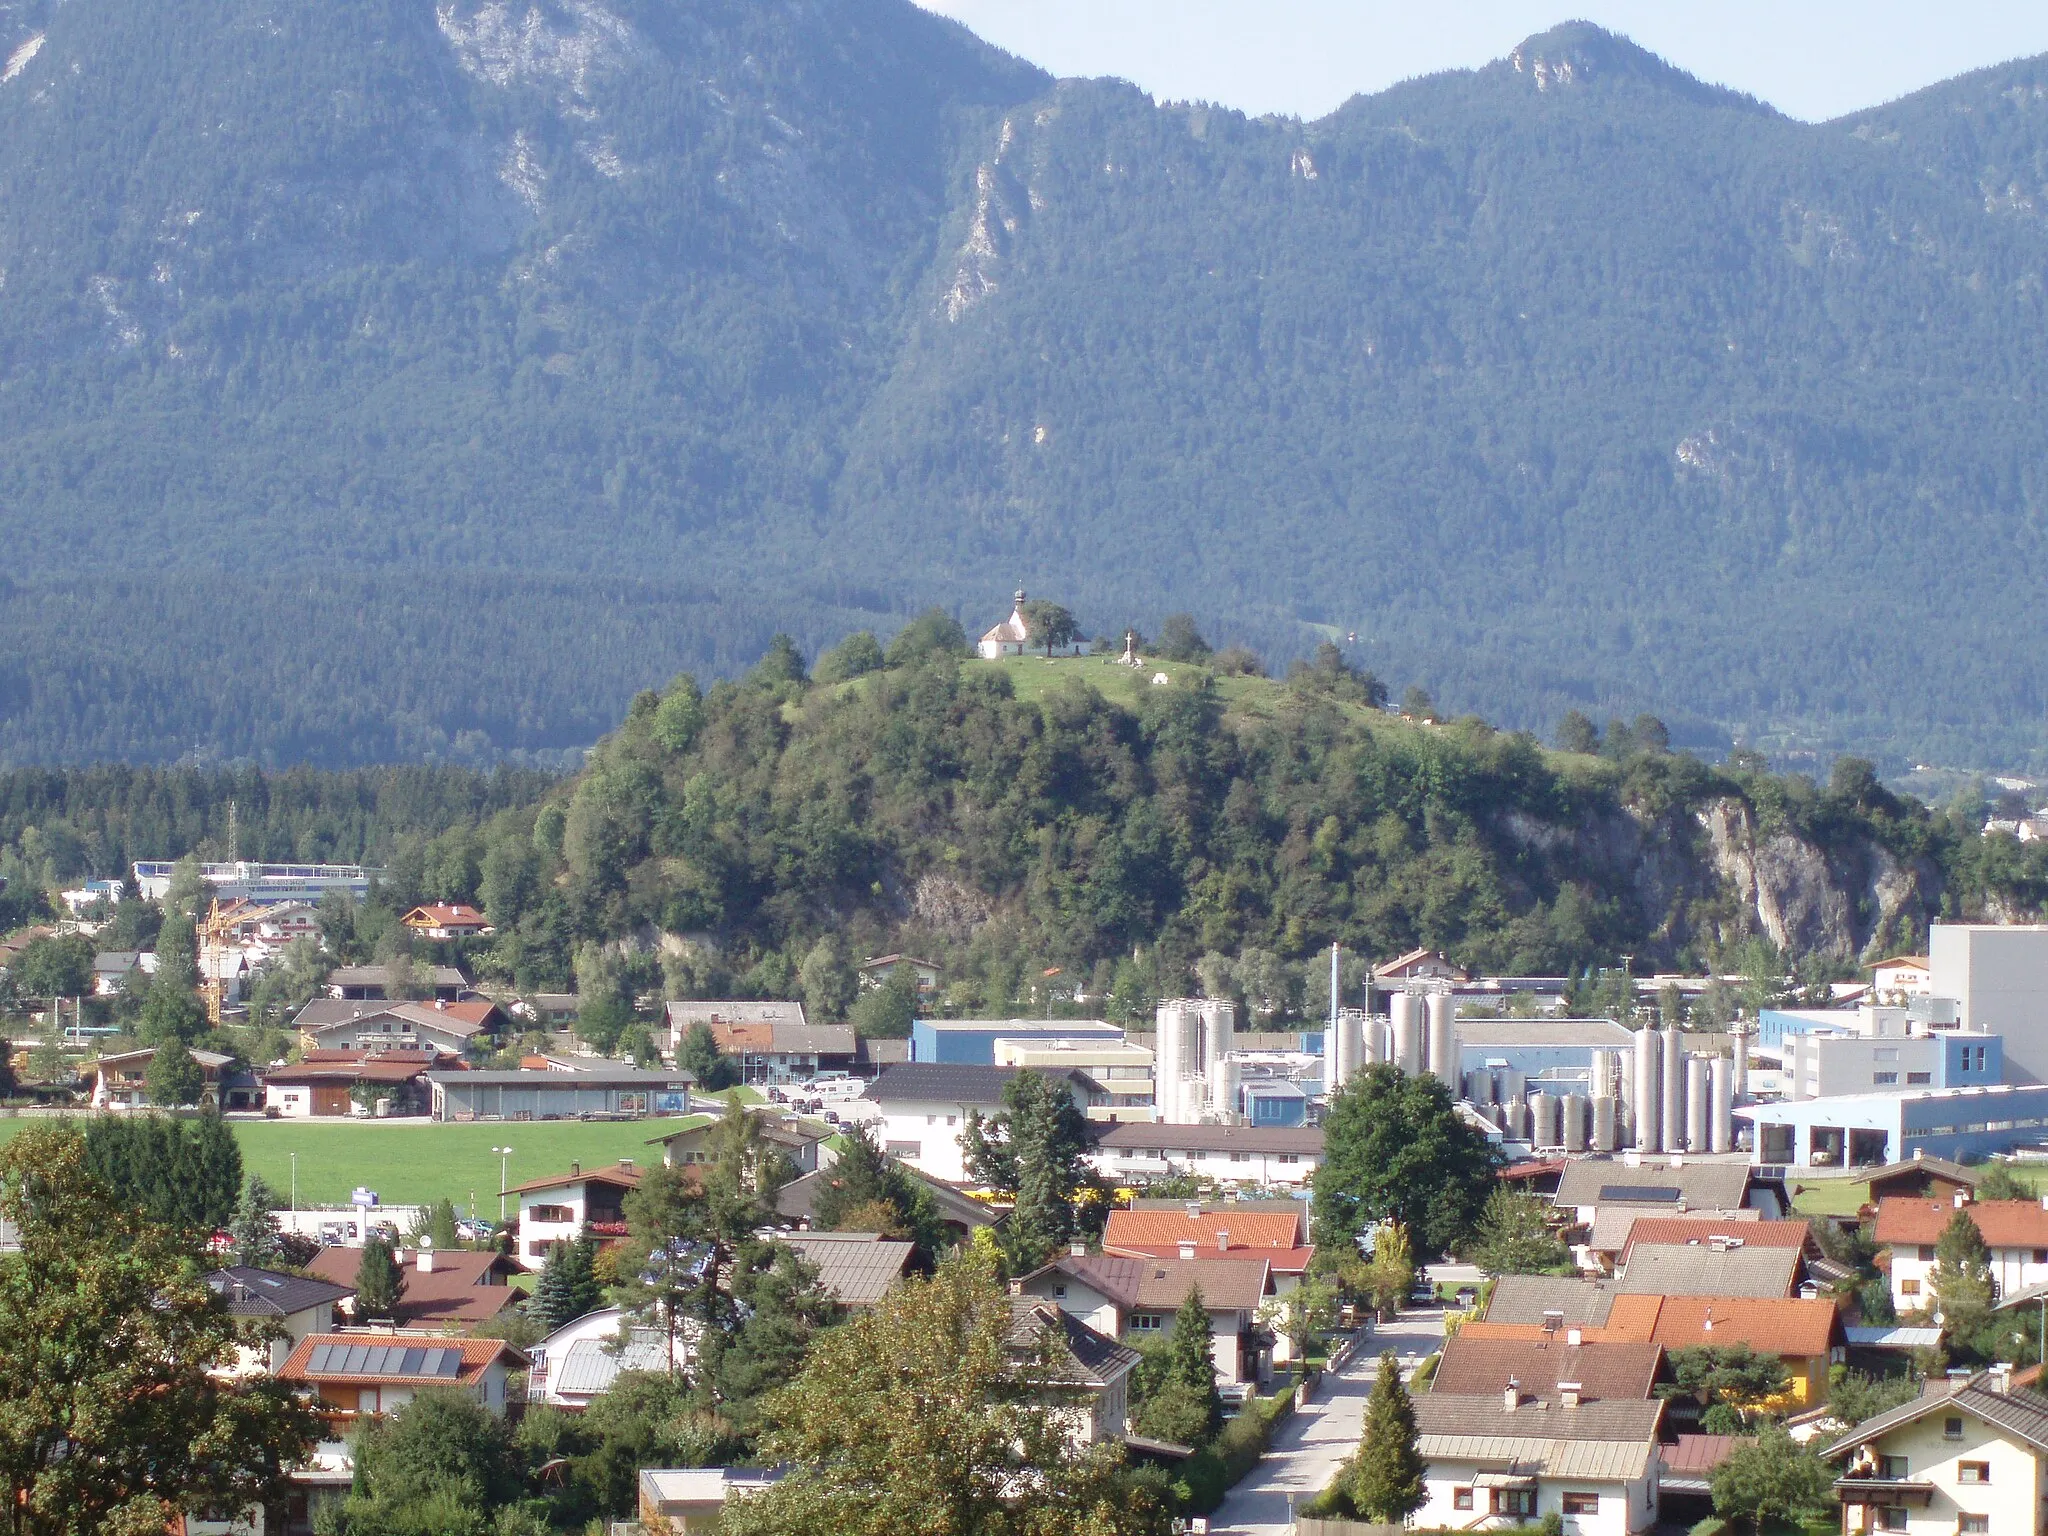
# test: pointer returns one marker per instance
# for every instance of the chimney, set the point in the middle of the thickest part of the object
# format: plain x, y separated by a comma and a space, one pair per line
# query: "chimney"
625, 1165
1080, 1251
1958, 1378
1962, 1198
1707, 1322
1568, 1394
1223, 1239
1187, 1248
2001, 1378
1511, 1398
1194, 1210
441, 1004
1574, 1337
575, 1167
1918, 1153
426, 1258
1016, 1287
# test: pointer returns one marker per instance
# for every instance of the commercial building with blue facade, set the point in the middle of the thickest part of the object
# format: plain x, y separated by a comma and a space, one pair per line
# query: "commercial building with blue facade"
1870, 1129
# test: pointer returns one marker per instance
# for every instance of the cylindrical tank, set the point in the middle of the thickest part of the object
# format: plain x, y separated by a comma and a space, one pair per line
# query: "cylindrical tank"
1644, 1101
1166, 1062
1722, 1091
1407, 1044
1443, 1036
1223, 1090
1513, 1085
1512, 1122
1372, 1034
1543, 1117
1334, 1072
1574, 1122
1603, 1124
1741, 1066
1696, 1132
1671, 1108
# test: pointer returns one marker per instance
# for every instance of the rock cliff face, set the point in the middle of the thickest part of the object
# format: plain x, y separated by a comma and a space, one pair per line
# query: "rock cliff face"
1854, 900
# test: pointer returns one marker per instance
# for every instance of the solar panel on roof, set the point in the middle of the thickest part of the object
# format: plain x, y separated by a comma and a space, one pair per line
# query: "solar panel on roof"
1638, 1192
383, 1360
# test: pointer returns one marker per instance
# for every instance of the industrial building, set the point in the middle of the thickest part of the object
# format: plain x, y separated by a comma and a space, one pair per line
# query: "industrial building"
265, 885
530, 1095
972, 1042
1997, 977
1820, 1066
1195, 1082
1871, 1129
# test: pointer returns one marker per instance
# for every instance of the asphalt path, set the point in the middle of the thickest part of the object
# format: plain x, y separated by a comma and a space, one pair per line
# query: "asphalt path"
1320, 1436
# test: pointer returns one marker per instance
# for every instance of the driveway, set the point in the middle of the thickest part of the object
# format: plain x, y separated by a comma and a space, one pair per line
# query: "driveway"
1317, 1439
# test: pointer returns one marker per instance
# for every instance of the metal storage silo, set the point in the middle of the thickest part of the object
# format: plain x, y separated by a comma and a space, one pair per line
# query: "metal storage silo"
1671, 1109
1696, 1131
1443, 1036
1645, 1099
1574, 1137
1544, 1117
1603, 1123
1722, 1090
1407, 1047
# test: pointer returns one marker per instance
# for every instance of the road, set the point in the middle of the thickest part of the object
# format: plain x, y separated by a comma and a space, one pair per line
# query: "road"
1317, 1439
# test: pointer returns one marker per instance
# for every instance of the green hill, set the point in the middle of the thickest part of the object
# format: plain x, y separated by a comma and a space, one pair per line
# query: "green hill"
402, 380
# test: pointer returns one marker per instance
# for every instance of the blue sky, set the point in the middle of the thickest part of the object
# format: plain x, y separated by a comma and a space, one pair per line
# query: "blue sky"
1813, 59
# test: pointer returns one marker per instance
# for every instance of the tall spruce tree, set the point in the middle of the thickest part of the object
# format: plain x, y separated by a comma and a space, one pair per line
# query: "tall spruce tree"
257, 1238
174, 1078
380, 1281
1385, 1478
866, 1190
1962, 1280
553, 1301
1181, 1402
1035, 1151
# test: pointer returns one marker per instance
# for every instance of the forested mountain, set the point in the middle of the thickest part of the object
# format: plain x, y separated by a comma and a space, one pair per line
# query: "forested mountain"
402, 379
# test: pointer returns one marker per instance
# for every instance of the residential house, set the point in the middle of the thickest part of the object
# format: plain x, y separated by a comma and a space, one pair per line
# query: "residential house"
370, 1373
875, 972
275, 927
551, 1010
1962, 1459
855, 1268
1420, 965
567, 1205
1923, 1178
712, 1013
328, 1084
1548, 1368
372, 983
1530, 1300
1089, 1370
777, 1049
1895, 981
925, 1104
451, 921
1137, 1298
1614, 1226
1136, 1152
1503, 1459
1644, 1187
1717, 1267
1013, 637
295, 1304
602, 1093
2016, 1232
121, 1081
580, 1360
687, 1501
111, 969
961, 1214
1275, 1238
801, 1143
1805, 1334
343, 1024
452, 1289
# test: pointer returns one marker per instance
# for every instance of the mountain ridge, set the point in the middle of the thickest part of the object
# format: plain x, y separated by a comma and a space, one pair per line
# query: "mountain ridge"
806, 316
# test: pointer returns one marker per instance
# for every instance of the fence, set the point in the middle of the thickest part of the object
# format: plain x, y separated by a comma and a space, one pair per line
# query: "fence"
1308, 1526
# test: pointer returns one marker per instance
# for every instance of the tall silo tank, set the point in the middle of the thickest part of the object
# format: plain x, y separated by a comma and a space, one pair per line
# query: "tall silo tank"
1574, 1109
1645, 1102
1721, 1090
1407, 1047
1696, 1129
1443, 1036
1603, 1123
1671, 1106
1544, 1120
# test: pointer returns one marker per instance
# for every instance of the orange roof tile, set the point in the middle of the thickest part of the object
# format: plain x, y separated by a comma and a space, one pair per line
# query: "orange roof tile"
1167, 1229
477, 1355
2004, 1223
1772, 1325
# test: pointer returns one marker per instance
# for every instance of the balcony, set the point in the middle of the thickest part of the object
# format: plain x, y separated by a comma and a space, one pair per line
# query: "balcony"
1892, 1492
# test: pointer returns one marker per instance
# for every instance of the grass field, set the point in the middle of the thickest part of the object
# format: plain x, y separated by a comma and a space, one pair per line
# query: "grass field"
410, 1164
1842, 1197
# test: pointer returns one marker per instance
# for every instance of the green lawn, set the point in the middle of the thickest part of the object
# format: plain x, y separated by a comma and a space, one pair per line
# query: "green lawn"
413, 1163
1829, 1197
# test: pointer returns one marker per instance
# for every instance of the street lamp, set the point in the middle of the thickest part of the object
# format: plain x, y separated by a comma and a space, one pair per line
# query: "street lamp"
295, 1180
504, 1154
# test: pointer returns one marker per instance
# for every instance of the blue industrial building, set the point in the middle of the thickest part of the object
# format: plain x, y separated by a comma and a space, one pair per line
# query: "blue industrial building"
1272, 1101
972, 1042
1870, 1129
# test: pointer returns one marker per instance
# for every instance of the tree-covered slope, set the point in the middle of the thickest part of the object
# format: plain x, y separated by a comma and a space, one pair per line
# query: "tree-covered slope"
405, 379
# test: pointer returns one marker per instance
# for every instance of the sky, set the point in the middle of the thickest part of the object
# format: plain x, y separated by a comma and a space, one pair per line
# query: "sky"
1811, 59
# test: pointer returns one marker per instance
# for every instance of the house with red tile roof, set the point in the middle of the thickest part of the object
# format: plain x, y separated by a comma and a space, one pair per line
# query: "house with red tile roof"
454, 921
2016, 1232
447, 1288
1550, 1368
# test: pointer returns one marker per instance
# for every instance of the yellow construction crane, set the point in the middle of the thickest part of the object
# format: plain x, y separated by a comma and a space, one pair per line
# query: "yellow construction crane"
214, 937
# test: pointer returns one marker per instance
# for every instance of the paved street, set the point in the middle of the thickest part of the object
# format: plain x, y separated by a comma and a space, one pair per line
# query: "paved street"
1310, 1446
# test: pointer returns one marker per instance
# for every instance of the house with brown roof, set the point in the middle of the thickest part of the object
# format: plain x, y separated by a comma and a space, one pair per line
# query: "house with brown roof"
565, 1206
1964, 1458
450, 921
1920, 1177
1275, 1238
372, 983
2016, 1232
1421, 965
1503, 1459
1806, 1335
1549, 1368
294, 1304
961, 1214
331, 1083
800, 1142
855, 1268
367, 1374
1718, 1267
1133, 1298
451, 1289
453, 1028
875, 972
121, 1081
1089, 1370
